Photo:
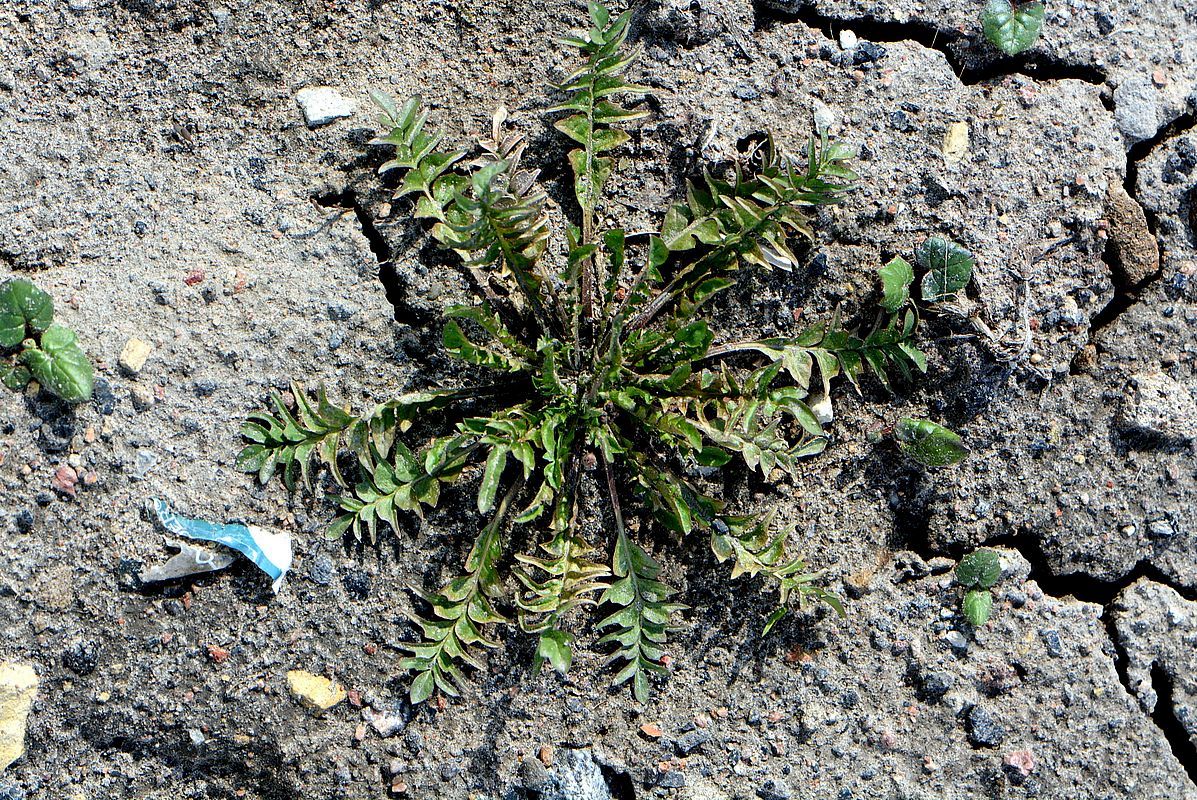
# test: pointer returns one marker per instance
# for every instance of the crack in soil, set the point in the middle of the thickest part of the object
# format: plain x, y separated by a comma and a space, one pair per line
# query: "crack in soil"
619, 783
911, 530
965, 54
1087, 588
968, 57
346, 201
1164, 717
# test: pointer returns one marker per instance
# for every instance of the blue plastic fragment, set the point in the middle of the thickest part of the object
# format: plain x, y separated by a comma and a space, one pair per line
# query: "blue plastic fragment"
270, 551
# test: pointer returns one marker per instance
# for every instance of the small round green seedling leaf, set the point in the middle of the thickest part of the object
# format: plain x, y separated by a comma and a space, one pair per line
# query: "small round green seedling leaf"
14, 377
978, 605
24, 309
1012, 29
979, 569
60, 366
949, 268
555, 648
896, 277
929, 444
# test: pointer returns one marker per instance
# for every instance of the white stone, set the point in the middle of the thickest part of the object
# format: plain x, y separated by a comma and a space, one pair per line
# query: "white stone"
821, 407
824, 116
322, 104
848, 39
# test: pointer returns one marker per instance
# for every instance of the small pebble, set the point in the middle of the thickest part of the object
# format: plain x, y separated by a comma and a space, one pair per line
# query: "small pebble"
1021, 760
24, 520
745, 92
321, 105
102, 397
357, 584
824, 117
687, 743
983, 729
321, 570
81, 658
133, 355
142, 397
146, 461
1051, 640
673, 779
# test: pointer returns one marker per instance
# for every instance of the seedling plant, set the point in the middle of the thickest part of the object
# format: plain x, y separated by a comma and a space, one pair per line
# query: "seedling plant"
977, 572
35, 348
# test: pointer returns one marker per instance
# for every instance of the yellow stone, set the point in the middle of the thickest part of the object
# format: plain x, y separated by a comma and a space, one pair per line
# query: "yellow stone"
955, 142
134, 355
314, 691
18, 687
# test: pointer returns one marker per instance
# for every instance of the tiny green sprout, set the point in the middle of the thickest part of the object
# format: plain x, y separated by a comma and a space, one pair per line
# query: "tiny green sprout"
929, 443
1012, 27
589, 370
34, 347
977, 573
978, 604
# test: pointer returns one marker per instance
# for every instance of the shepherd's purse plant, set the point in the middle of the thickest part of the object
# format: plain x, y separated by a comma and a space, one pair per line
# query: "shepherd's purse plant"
596, 369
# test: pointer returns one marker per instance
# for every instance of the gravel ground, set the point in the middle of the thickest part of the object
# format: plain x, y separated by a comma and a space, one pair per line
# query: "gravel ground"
160, 181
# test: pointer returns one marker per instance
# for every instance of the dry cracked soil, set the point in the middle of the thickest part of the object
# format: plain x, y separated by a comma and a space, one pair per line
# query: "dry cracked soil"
159, 180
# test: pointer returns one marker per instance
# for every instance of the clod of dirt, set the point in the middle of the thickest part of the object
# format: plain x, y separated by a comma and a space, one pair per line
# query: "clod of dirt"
81, 658
1158, 405
1136, 254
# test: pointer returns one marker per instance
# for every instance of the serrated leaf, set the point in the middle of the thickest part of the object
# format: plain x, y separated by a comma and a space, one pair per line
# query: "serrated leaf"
576, 127
949, 268
928, 443
978, 604
979, 569
1012, 29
